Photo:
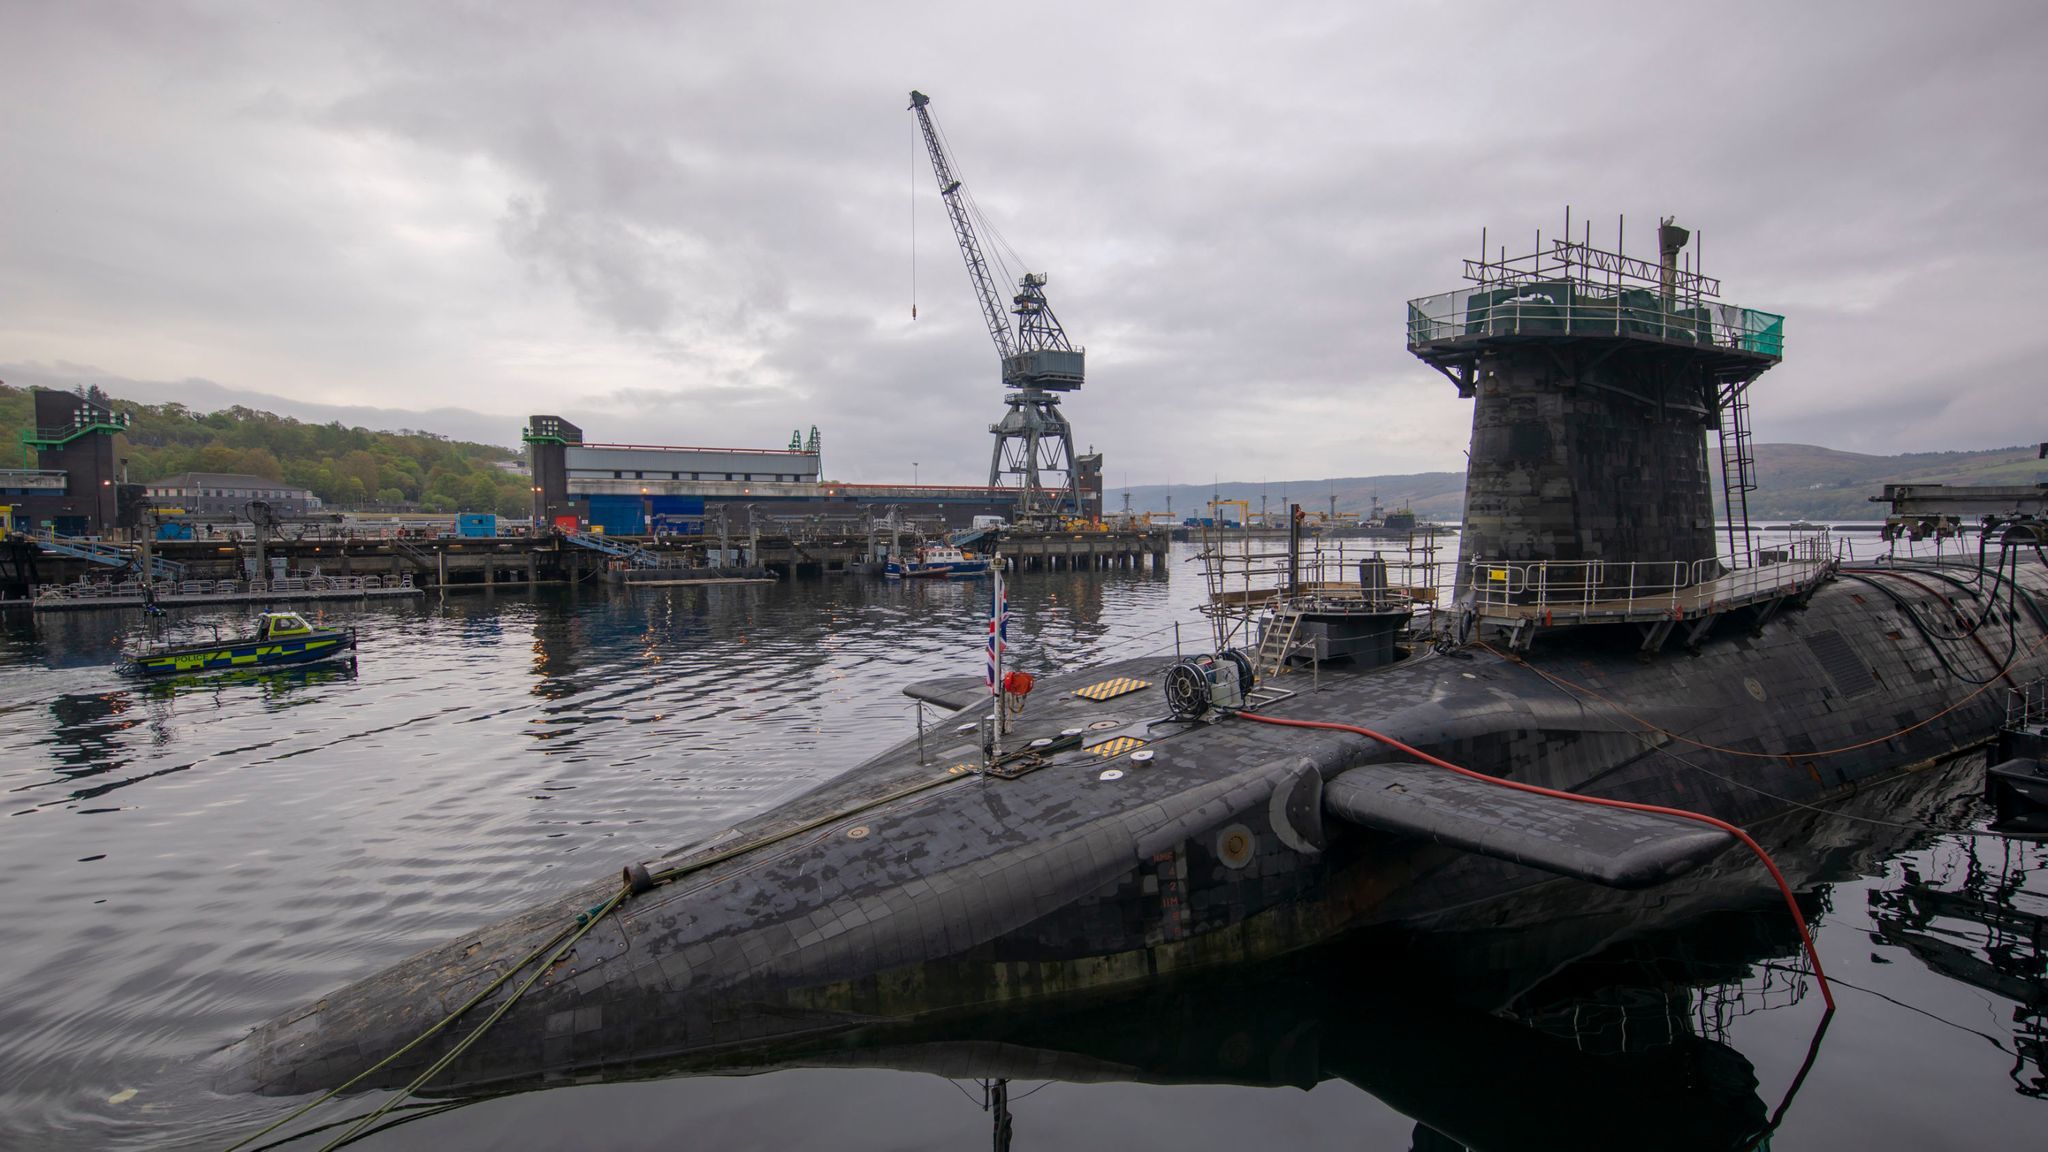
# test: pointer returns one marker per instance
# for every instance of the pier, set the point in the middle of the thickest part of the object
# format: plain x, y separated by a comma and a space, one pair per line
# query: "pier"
172, 594
1036, 550
331, 568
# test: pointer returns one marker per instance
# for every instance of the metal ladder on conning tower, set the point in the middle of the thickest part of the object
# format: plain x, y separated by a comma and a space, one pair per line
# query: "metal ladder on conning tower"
1277, 641
1738, 476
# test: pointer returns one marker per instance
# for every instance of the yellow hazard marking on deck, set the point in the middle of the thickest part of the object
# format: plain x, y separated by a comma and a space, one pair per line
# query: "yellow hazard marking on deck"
1116, 746
957, 769
1111, 688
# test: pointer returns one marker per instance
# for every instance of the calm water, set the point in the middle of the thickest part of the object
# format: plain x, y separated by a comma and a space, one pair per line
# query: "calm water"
183, 862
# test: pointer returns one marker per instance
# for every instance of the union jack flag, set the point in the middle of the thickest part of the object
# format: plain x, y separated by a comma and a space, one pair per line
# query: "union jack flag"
998, 632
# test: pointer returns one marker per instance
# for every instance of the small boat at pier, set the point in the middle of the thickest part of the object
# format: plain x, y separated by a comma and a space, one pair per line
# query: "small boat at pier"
936, 561
281, 638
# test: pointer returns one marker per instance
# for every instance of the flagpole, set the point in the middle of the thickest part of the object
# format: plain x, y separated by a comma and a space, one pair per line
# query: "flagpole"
998, 640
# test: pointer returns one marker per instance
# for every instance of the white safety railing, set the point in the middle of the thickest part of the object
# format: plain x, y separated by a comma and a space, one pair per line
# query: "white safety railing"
1581, 589
89, 590
2027, 705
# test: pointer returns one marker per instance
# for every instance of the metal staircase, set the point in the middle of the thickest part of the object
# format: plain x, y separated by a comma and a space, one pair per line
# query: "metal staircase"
112, 555
420, 557
973, 539
1738, 477
1277, 642
631, 553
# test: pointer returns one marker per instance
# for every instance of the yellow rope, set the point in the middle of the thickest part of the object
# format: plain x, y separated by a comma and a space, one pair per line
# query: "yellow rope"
588, 921
584, 922
415, 1042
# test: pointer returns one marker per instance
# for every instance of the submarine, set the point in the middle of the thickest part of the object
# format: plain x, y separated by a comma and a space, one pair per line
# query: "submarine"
1164, 818
1605, 1029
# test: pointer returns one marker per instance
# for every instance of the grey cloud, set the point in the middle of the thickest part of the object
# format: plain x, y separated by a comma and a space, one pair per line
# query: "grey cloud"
693, 222
605, 262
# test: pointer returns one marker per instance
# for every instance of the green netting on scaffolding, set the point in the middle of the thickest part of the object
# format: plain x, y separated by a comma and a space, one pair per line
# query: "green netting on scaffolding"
1763, 332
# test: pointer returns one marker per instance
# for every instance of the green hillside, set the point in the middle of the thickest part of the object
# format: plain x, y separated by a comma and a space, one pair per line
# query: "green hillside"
346, 467
1808, 482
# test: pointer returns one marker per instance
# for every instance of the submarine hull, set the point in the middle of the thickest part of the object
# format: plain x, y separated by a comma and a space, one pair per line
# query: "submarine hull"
909, 886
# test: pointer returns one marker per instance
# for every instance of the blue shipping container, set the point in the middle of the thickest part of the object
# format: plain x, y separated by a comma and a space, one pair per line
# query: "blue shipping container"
476, 524
676, 515
619, 515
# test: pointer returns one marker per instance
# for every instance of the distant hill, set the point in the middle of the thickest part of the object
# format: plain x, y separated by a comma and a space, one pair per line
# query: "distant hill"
1808, 482
1796, 481
1433, 495
346, 467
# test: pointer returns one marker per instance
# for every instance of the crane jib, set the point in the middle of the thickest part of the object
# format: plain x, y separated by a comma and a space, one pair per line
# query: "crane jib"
1033, 440
1036, 352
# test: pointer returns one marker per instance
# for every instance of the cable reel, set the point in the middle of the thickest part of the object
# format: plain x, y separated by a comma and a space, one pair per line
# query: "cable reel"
1200, 684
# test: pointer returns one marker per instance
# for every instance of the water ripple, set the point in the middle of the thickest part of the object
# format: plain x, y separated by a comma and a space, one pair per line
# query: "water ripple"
254, 841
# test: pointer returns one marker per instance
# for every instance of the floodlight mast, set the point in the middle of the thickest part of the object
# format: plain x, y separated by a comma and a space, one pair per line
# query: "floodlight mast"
1035, 357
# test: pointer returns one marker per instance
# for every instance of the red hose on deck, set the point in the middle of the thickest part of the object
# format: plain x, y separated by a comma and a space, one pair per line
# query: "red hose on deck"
1813, 954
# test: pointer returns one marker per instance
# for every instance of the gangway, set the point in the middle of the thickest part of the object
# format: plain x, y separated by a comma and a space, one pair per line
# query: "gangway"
982, 539
112, 555
420, 557
631, 553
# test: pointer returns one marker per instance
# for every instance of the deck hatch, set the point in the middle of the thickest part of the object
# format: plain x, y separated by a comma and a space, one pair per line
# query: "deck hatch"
1851, 675
1116, 746
1110, 689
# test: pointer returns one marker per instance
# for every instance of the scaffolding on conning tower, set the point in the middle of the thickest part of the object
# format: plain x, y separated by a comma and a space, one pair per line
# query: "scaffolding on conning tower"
1573, 290
1258, 585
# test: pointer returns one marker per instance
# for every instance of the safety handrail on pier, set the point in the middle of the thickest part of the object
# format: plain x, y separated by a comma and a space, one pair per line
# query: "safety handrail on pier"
111, 555
171, 591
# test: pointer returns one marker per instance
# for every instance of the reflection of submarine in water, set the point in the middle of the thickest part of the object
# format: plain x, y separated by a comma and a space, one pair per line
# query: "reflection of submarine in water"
1979, 927
1416, 1049
1130, 845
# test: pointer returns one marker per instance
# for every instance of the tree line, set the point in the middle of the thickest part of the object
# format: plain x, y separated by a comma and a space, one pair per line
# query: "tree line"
346, 467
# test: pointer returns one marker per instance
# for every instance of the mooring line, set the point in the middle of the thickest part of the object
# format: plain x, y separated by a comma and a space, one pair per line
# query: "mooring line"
573, 931
741, 849
585, 921
415, 1042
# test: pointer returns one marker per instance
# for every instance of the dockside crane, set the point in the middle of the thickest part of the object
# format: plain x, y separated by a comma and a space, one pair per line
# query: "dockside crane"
1034, 449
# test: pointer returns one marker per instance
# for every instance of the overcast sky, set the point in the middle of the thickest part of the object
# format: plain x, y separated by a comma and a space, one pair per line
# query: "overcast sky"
691, 223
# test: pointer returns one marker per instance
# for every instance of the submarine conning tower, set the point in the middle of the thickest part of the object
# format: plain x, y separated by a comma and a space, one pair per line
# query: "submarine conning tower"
1596, 378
